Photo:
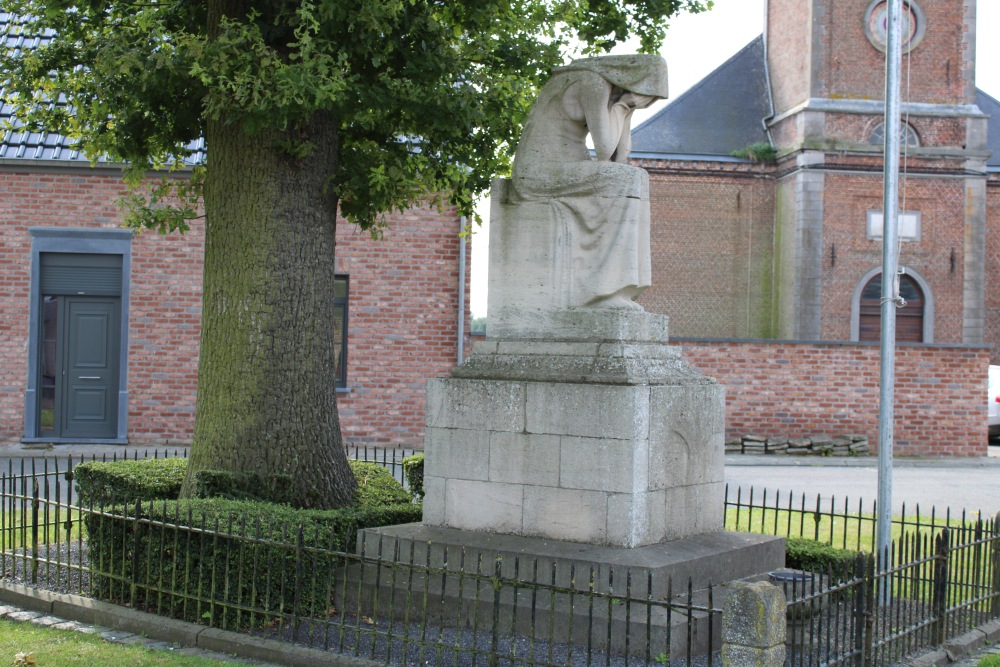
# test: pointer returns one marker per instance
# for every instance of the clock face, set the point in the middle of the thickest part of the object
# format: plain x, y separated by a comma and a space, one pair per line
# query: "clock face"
877, 24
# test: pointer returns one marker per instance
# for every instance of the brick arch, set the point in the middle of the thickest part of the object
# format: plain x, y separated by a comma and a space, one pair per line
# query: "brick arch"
921, 283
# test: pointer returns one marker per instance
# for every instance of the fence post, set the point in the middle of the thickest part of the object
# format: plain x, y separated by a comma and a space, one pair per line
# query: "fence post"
995, 566
863, 571
34, 529
940, 598
753, 625
136, 548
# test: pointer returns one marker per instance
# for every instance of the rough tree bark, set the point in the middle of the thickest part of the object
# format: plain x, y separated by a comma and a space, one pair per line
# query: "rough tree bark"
266, 408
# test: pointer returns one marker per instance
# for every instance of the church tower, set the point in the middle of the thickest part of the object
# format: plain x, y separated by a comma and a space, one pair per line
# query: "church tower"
826, 68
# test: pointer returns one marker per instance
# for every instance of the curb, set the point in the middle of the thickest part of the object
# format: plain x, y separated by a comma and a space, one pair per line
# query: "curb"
964, 649
95, 612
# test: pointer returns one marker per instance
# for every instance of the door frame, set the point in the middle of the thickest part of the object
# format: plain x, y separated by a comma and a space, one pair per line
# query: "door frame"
921, 283
83, 241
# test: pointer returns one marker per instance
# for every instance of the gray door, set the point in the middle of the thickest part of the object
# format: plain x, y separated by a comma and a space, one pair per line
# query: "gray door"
89, 405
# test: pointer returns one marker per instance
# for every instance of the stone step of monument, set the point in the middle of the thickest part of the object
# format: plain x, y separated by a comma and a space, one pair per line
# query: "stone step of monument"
471, 577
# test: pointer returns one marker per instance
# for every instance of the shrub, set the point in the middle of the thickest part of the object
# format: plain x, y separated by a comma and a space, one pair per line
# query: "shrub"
229, 559
377, 487
813, 556
413, 470
760, 152
158, 479
229, 563
122, 481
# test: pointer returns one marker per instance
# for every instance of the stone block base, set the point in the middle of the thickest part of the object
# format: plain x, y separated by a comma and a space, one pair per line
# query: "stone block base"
602, 443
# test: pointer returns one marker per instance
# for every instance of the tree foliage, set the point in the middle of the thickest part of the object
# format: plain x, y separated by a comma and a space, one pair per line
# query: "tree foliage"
429, 97
308, 107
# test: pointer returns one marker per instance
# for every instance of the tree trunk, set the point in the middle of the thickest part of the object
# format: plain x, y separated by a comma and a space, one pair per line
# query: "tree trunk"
266, 409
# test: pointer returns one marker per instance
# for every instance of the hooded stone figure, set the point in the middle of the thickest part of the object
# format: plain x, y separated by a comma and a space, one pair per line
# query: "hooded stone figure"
600, 206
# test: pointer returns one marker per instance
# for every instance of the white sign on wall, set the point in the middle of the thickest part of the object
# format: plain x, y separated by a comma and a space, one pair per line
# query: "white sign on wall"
908, 229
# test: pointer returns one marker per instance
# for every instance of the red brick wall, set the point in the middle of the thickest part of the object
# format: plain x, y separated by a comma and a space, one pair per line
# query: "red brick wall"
788, 35
786, 389
403, 323
938, 67
403, 310
712, 237
941, 203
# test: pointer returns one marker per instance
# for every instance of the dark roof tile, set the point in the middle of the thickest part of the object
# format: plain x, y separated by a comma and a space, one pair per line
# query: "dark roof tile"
45, 146
991, 107
722, 113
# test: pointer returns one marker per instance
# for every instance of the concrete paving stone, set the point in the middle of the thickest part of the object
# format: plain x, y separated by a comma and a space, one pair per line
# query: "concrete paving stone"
7, 609
70, 625
154, 645
24, 615
138, 640
47, 621
116, 636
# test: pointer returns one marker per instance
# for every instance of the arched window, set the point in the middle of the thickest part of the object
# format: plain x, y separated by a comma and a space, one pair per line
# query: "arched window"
909, 319
907, 135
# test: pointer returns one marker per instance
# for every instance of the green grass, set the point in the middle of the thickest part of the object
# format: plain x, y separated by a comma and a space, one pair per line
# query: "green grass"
851, 532
15, 535
992, 660
66, 648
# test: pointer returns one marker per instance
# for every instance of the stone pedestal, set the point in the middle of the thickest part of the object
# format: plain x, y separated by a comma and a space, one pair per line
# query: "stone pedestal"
605, 436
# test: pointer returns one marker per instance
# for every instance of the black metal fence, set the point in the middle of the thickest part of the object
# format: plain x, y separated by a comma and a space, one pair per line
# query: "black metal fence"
465, 608
942, 578
843, 523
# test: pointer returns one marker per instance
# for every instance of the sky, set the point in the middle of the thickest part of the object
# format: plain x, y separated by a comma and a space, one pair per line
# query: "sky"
696, 44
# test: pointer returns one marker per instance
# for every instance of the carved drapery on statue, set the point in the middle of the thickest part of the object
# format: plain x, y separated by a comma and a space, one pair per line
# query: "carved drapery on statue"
571, 230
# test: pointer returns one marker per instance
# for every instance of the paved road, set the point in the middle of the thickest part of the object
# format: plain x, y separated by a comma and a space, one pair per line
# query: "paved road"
971, 485
956, 483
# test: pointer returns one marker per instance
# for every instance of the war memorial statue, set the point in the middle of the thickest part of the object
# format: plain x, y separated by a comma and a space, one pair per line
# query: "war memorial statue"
575, 433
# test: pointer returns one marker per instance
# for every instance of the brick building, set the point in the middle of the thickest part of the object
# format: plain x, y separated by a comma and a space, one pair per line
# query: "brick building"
119, 313
787, 246
62, 253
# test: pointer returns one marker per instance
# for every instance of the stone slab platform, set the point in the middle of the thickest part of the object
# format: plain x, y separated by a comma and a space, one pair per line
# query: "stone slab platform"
711, 558
534, 586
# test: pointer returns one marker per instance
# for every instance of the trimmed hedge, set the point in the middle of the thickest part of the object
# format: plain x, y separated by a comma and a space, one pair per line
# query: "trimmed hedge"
103, 481
813, 556
228, 563
413, 470
159, 479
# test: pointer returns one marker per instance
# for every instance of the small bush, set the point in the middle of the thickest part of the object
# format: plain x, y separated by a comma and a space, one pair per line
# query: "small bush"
760, 152
413, 469
813, 556
122, 481
377, 487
